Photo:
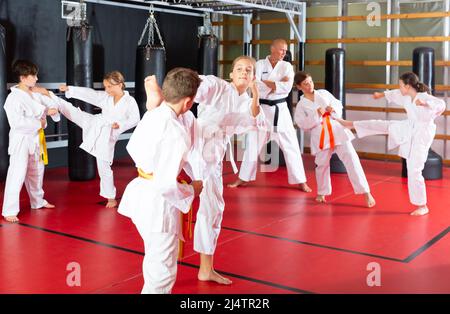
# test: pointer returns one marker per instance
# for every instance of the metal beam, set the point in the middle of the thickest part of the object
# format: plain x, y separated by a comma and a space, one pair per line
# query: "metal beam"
142, 7
284, 6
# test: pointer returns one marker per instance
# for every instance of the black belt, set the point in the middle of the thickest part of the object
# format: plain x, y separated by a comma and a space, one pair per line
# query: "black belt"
273, 103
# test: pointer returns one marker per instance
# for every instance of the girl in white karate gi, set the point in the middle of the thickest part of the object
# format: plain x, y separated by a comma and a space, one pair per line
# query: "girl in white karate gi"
275, 78
26, 109
224, 109
413, 136
313, 113
120, 113
154, 200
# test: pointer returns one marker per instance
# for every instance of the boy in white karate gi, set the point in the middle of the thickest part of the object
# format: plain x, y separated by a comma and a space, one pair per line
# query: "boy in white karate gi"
26, 109
275, 78
314, 112
120, 113
224, 109
155, 199
412, 136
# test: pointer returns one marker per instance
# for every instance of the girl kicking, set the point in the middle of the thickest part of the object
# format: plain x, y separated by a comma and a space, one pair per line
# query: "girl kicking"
120, 112
413, 136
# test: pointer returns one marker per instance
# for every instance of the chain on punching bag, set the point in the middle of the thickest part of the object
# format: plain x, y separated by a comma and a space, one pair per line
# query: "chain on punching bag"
335, 84
150, 60
208, 49
79, 73
4, 126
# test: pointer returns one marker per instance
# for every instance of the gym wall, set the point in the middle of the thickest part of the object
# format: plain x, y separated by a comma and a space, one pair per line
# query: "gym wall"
36, 31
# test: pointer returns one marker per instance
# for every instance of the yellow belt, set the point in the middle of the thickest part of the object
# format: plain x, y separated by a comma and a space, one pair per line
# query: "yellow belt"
144, 175
43, 147
186, 227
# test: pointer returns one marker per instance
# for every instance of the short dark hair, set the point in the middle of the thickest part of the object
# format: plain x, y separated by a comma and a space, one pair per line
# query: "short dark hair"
24, 68
180, 83
300, 76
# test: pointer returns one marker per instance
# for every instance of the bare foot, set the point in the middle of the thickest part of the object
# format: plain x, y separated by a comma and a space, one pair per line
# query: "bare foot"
321, 199
237, 183
423, 210
111, 203
304, 187
214, 276
12, 219
345, 123
370, 201
48, 205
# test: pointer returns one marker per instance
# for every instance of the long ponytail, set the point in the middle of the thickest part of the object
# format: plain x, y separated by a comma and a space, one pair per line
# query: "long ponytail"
411, 79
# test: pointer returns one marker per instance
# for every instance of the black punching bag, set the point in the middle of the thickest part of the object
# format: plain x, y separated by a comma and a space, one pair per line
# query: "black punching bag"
4, 126
423, 67
150, 60
79, 73
335, 84
208, 55
207, 59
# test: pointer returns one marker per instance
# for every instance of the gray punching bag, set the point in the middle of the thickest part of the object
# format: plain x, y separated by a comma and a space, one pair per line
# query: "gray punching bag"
79, 73
150, 60
335, 84
423, 67
4, 126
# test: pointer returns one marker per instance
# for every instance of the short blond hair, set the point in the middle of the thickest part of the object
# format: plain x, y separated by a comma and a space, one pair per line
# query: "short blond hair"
251, 59
278, 41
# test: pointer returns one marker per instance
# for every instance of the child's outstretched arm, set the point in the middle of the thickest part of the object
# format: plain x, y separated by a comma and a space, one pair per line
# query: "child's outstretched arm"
154, 93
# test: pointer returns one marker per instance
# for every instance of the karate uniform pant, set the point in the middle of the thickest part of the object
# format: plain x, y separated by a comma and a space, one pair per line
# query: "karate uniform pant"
83, 119
107, 188
160, 263
210, 213
414, 164
347, 154
28, 169
287, 140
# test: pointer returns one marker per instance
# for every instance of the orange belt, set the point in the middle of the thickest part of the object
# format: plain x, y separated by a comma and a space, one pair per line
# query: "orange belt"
326, 121
185, 219
186, 227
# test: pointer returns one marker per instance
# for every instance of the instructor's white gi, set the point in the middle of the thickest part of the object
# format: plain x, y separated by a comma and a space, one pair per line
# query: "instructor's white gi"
284, 134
